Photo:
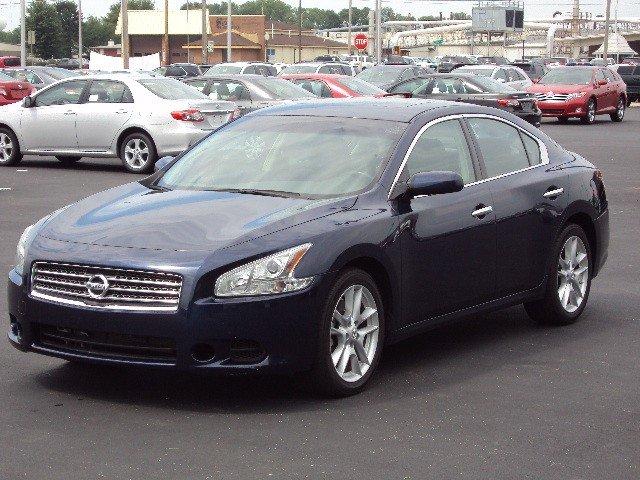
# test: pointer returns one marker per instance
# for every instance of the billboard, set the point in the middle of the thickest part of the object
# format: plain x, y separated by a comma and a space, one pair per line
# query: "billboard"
496, 18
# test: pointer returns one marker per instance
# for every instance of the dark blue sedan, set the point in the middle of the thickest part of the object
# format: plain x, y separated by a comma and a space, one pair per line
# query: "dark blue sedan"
304, 238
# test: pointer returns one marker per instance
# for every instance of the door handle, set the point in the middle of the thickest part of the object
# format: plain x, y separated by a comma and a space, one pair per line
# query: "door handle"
554, 193
121, 112
69, 112
482, 211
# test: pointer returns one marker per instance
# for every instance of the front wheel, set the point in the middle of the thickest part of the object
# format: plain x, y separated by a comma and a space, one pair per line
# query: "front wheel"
618, 115
568, 281
138, 153
9, 149
590, 116
351, 335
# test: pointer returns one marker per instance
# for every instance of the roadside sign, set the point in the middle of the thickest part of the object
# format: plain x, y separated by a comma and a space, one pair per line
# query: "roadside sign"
31, 37
210, 46
360, 41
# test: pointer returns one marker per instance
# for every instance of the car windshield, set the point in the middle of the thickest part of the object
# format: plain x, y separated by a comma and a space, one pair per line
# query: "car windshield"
170, 89
279, 89
527, 67
361, 87
380, 75
492, 86
568, 76
289, 155
223, 69
59, 73
191, 69
299, 69
6, 78
485, 72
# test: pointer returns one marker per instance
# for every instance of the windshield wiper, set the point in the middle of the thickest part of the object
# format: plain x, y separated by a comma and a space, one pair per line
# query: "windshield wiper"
252, 191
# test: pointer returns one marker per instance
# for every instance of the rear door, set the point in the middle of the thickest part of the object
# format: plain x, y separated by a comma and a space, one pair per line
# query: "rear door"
106, 108
527, 200
50, 125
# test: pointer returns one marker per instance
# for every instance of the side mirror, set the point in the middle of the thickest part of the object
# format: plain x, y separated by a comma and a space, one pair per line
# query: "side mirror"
162, 162
433, 183
28, 102
601, 82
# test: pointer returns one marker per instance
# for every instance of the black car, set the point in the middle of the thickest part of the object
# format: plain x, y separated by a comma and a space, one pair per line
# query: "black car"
249, 92
447, 64
39, 77
630, 73
179, 71
304, 238
534, 69
474, 89
384, 76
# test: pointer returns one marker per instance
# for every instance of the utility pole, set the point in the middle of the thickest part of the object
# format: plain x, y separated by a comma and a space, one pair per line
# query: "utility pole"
125, 33
299, 30
80, 34
205, 41
228, 30
165, 38
606, 32
379, 31
23, 34
349, 31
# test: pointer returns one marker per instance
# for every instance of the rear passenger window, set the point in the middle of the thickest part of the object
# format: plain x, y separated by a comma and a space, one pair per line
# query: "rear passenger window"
442, 147
501, 146
533, 149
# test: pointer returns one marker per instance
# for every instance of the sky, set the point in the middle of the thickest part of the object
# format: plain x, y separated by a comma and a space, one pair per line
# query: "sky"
10, 9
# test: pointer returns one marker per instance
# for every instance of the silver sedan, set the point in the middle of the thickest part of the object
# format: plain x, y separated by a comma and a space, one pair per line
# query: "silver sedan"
135, 118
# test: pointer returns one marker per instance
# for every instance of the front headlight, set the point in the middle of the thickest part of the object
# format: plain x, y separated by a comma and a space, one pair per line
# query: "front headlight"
571, 96
266, 276
21, 250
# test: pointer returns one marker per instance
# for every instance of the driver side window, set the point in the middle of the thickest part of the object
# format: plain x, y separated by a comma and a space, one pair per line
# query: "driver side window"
442, 147
67, 93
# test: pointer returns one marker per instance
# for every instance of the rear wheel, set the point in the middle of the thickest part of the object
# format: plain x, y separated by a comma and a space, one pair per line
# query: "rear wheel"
568, 282
351, 335
138, 153
68, 161
590, 115
618, 115
9, 149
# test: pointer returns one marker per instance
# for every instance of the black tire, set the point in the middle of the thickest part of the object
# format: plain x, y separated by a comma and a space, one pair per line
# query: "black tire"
590, 116
68, 161
549, 310
563, 119
143, 164
324, 378
621, 107
9, 148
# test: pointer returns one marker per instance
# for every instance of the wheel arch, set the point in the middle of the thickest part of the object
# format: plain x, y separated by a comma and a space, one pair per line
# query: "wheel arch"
13, 130
129, 131
583, 214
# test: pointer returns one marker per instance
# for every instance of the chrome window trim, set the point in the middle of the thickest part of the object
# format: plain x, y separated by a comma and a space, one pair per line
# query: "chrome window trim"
544, 154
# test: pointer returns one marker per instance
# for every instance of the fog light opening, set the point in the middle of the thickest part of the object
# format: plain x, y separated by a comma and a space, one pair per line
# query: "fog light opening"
203, 353
16, 328
246, 351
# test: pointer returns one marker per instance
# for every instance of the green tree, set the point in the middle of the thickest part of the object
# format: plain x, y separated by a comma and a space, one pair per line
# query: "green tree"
459, 16
95, 31
43, 18
359, 16
68, 14
112, 16
320, 18
12, 36
214, 8
276, 10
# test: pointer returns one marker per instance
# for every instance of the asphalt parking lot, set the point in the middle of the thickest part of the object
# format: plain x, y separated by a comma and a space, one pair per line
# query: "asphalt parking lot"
494, 397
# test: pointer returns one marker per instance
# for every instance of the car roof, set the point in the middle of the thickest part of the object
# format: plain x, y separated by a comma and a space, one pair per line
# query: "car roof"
388, 108
233, 76
316, 76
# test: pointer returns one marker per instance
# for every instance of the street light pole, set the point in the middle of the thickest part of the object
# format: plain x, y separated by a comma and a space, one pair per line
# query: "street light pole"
165, 39
23, 34
299, 30
124, 47
80, 34
228, 30
606, 32
378, 31
205, 40
349, 31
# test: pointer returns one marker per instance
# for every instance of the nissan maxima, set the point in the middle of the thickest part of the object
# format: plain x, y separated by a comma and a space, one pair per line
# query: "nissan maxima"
303, 238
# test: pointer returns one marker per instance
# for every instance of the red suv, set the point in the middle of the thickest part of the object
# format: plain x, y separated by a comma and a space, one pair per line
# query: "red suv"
581, 92
334, 86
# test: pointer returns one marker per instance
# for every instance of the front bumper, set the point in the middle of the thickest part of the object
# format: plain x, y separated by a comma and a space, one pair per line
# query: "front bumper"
279, 334
571, 108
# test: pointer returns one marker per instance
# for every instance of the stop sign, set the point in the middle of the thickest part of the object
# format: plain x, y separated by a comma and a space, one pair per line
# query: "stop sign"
360, 41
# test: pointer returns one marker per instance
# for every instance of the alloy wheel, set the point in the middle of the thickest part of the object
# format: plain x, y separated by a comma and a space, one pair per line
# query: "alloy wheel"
591, 111
573, 274
6, 147
354, 333
620, 109
136, 153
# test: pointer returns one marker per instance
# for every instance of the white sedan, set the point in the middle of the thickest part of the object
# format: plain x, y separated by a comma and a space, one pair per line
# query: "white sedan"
137, 118
513, 76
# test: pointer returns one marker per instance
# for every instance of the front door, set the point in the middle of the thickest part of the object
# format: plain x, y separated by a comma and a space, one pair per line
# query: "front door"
449, 241
50, 124
108, 106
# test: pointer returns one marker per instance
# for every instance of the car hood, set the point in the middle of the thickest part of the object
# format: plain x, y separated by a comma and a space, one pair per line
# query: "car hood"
556, 88
136, 217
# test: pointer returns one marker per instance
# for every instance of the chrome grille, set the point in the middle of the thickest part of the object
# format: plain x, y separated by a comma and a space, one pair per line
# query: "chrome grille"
105, 287
555, 97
